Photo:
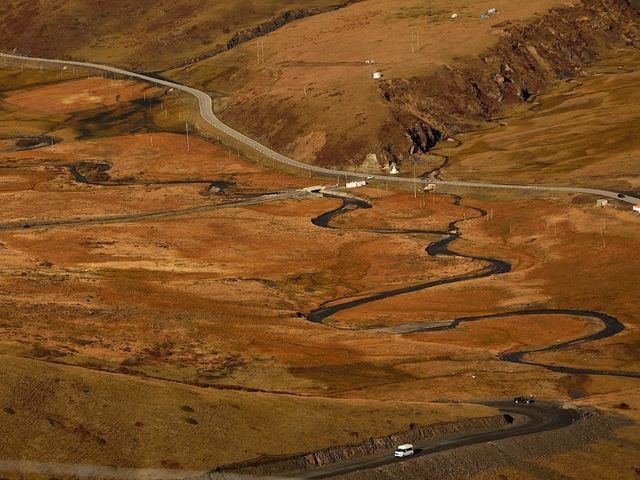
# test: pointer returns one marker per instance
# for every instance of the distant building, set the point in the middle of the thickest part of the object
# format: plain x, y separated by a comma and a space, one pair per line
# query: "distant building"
357, 184
636, 208
377, 75
488, 13
602, 202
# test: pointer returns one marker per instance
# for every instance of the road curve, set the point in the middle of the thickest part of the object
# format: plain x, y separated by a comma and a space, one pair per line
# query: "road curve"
205, 105
538, 417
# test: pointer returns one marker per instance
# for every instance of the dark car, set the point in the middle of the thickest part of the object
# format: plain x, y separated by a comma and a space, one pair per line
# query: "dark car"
621, 195
523, 400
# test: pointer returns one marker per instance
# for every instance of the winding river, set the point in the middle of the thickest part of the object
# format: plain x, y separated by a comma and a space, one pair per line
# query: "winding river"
609, 326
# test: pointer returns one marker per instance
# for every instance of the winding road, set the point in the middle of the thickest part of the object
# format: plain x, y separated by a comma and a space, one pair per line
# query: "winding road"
205, 106
535, 418
610, 326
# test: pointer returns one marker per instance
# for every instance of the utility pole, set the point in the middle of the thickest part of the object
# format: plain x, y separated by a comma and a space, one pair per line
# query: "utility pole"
415, 185
186, 127
260, 51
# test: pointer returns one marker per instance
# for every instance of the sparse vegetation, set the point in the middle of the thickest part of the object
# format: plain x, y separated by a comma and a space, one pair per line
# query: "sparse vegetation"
142, 342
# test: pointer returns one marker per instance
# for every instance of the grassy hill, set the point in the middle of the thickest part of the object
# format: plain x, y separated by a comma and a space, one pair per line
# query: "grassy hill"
310, 94
446, 70
143, 34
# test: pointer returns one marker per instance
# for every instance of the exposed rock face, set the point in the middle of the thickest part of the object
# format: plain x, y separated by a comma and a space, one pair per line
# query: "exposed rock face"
527, 59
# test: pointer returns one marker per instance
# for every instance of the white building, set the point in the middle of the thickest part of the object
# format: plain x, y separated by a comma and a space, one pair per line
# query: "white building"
357, 184
377, 75
602, 202
636, 208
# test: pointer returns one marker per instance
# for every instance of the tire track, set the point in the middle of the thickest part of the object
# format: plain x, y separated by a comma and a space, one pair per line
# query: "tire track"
133, 217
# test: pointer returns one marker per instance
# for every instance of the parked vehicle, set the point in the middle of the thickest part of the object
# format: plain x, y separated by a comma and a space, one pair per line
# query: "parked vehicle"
405, 450
524, 399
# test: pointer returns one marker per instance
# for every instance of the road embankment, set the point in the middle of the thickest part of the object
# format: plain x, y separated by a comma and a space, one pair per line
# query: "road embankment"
277, 465
487, 457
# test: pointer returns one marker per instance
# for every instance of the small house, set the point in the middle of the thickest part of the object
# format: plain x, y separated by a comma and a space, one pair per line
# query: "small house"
636, 208
377, 75
602, 202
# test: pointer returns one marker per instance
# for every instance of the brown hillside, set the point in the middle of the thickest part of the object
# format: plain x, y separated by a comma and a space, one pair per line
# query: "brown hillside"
313, 96
144, 34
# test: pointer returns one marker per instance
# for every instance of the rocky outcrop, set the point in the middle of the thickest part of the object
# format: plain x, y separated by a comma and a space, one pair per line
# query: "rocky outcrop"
527, 59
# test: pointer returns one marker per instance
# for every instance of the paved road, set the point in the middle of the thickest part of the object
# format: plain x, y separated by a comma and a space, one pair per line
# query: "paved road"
539, 417
206, 112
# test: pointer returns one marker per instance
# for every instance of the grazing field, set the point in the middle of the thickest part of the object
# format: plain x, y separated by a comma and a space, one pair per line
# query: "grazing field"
158, 294
178, 309
113, 419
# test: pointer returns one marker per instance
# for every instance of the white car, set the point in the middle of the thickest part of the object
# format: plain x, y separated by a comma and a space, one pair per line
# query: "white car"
405, 450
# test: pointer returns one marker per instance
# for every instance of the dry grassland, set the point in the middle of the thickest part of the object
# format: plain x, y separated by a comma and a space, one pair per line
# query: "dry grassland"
151, 322
314, 79
583, 132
